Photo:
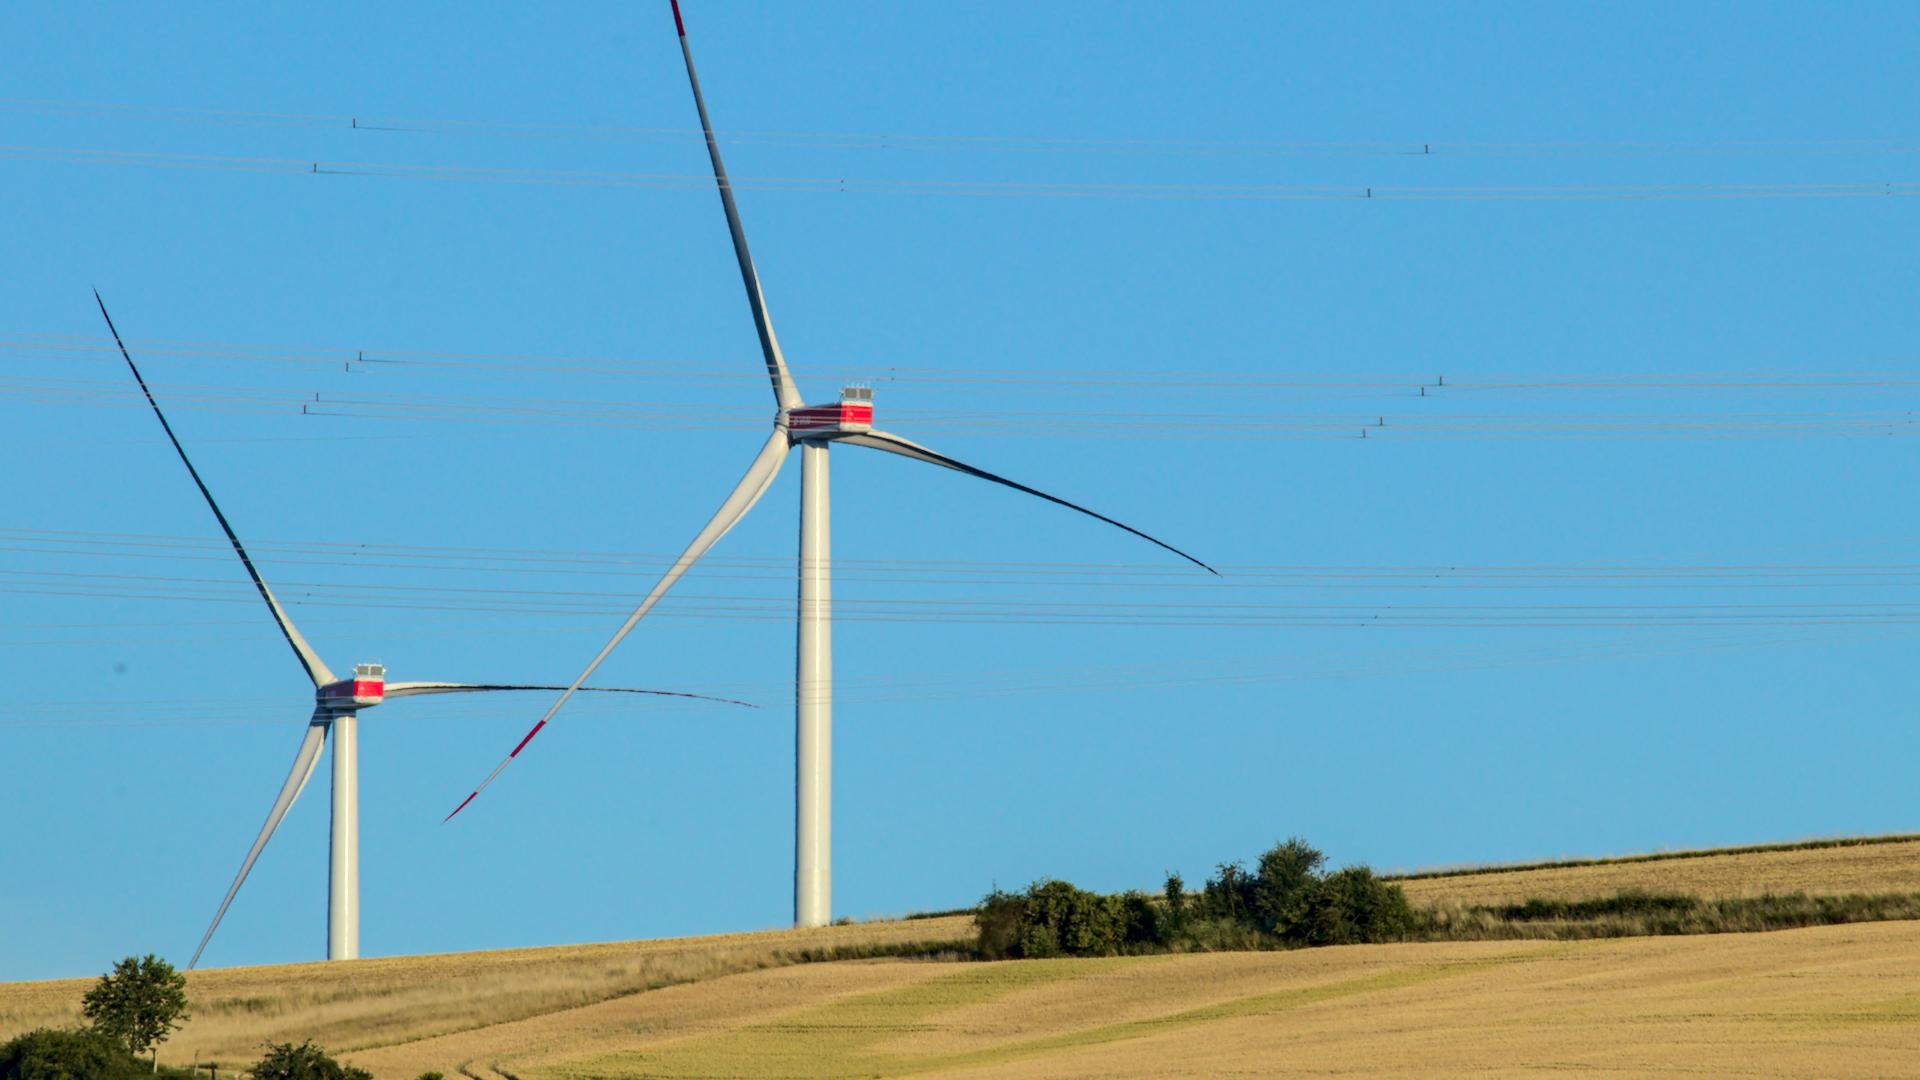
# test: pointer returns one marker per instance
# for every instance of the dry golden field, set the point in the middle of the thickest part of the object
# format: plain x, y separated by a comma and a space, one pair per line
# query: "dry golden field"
400, 999
1831, 1001
1868, 866
1842, 1000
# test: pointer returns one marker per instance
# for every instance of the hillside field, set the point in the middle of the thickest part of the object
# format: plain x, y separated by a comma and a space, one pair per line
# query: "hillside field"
1836, 1000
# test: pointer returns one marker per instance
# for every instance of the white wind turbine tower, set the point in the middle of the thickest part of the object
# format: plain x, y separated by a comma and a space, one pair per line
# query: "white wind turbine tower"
337, 703
812, 429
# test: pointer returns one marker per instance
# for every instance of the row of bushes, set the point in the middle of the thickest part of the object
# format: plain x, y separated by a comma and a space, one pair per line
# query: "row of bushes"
90, 1054
1286, 900
1644, 914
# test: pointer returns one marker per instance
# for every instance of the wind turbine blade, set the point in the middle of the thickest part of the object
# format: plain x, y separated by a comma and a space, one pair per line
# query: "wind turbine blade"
316, 670
297, 777
784, 393
414, 689
766, 465
894, 444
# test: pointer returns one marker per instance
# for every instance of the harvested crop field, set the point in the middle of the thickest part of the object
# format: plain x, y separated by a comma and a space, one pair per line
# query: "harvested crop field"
1827, 1001
406, 998
1868, 866
1833, 1000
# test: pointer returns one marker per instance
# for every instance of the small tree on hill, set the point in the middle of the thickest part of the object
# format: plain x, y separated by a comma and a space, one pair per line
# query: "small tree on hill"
1287, 874
138, 1004
285, 1061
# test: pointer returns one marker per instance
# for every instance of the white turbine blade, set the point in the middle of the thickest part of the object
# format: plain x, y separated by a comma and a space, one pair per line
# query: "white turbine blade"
309, 660
415, 689
784, 394
297, 777
766, 465
894, 444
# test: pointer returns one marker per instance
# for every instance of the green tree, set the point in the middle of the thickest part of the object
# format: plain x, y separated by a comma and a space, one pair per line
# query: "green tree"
1176, 893
1277, 898
1227, 894
1142, 921
58, 1054
138, 1004
998, 918
1061, 920
285, 1061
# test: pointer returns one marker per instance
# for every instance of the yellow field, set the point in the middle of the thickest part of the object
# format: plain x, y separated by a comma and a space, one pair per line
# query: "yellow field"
1825, 1001
377, 1002
1863, 867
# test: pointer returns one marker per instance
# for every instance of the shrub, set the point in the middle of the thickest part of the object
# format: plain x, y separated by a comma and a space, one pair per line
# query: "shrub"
1142, 922
1627, 902
1221, 935
998, 920
1228, 894
1051, 919
1352, 907
285, 1061
1060, 920
1175, 894
61, 1054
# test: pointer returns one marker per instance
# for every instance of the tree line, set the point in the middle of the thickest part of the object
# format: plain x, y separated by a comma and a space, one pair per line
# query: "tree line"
1287, 900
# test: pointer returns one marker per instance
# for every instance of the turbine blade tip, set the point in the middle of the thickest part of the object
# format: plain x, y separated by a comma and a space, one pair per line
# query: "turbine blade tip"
678, 26
457, 809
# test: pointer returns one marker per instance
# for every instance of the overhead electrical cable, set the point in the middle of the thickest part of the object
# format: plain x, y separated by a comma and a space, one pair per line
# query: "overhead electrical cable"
378, 124
1141, 191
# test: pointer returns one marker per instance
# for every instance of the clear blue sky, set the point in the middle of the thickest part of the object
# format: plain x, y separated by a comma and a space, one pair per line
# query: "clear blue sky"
992, 726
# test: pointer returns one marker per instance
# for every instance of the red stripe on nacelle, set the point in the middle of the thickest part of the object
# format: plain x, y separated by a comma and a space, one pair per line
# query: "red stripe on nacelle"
827, 416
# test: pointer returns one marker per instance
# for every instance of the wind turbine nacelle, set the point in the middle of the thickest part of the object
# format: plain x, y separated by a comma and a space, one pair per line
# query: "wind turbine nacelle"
852, 415
367, 687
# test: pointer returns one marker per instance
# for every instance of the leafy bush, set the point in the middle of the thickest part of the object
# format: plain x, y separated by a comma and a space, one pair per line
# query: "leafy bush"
61, 1054
1636, 914
1227, 895
1352, 907
1060, 920
1142, 922
285, 1061
998, 921
1175, 895
1052, 918
1627, 902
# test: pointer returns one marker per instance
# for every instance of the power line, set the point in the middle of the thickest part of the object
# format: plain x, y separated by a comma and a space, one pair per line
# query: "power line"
382, 125
1153, 192
56, 347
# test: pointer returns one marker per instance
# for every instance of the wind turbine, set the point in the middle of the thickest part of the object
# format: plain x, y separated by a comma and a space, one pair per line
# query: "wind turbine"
336, 708
812, 429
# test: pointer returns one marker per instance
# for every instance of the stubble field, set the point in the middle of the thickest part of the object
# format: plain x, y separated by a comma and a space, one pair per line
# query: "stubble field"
1839, 1000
